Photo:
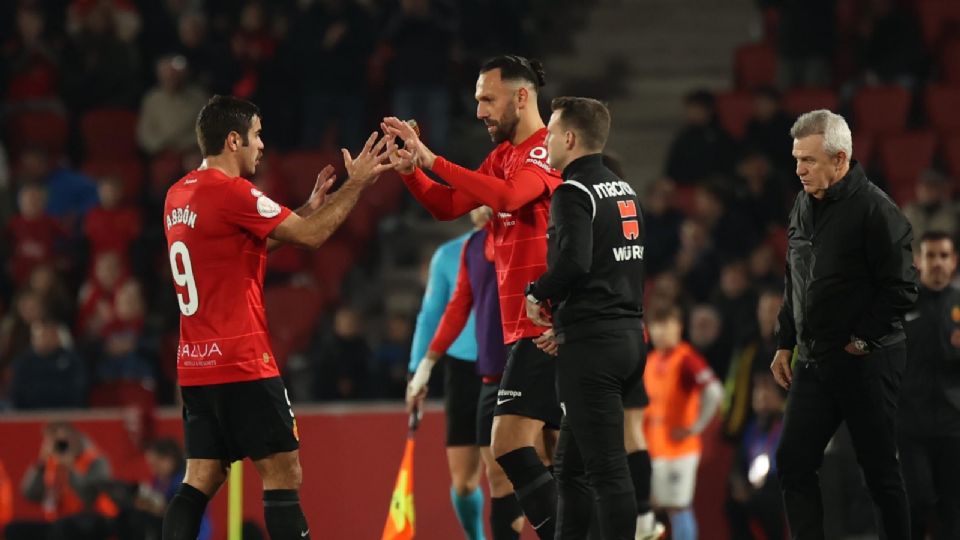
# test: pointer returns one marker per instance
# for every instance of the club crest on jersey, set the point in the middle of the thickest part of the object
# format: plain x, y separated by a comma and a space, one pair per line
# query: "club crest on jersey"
267, 208
182, 215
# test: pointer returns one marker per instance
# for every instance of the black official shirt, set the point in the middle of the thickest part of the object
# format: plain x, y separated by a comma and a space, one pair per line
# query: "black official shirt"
594, 276
930, 390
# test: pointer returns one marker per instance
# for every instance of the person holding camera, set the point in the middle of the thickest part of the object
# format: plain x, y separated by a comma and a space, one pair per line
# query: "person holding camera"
66, 480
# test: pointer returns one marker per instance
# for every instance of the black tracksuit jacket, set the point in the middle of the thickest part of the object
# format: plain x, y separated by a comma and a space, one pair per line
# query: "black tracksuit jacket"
594, 276
849, 269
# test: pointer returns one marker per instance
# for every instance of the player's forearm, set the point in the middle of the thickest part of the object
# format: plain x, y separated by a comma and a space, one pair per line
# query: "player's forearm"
443, 203
304, 211
324, 222
499, 194
710, 401
453, 322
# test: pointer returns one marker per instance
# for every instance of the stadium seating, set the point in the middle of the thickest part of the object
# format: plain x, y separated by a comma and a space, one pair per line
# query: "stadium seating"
938, 20
863, 147
734, 110
903, 157
299, 170
330, 265
45, 129
951, 62
800, 100
881, 110
942, 103
165, 169
755, 64
951, 156
109, 133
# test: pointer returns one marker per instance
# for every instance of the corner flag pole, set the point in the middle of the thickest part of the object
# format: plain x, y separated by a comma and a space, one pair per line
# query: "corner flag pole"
235, 502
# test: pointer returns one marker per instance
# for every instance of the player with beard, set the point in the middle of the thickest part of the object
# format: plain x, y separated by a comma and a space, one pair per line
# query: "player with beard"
219, 228
517, 183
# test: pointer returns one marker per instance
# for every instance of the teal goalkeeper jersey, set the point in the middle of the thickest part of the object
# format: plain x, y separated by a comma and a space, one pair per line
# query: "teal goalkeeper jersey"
440, 285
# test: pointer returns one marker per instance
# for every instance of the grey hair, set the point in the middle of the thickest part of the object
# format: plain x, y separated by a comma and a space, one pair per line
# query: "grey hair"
833, 127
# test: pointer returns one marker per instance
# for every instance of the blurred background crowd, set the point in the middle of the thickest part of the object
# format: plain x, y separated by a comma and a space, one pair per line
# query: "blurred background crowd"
99, 99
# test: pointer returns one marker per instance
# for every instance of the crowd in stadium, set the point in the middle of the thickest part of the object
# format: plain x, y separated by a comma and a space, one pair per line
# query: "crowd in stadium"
85, 295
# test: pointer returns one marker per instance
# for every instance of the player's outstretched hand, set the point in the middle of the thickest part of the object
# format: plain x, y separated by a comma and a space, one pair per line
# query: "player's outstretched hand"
369, 163
394, 127
325, 181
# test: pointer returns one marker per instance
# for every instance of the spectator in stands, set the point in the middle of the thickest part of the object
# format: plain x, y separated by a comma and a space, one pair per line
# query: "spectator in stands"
393, 354
97, 296
252, 45
891, 47
736, 302
122, 357
335, 36
750, 357
696, 261
666, 291
27, 309
420, 41
100, 67
33, 236
933, 210
167, 466
169, 111
754, 496
112, 226
204, 56
66, 481
701, 148
47, 375
705, 333
662, 221
70, 194
50, 286
768, 130
763, 267
731, 231
30, 62
807, 42
761, 192
343, 358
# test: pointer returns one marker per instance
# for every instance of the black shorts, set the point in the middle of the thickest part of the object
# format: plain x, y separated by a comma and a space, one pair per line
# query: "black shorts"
529, 385
232, 421
461, 388
634, 392
485, 407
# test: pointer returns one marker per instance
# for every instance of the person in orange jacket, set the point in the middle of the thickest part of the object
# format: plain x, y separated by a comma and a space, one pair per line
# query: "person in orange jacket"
684, 397
66, 481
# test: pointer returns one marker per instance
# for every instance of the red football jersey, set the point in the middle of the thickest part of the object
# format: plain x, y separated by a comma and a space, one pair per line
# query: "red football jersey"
217, 229
520, 237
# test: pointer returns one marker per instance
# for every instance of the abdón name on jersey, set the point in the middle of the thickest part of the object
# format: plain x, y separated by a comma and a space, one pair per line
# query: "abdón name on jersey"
181, 215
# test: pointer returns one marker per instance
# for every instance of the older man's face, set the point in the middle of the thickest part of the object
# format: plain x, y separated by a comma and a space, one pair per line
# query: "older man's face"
817, 169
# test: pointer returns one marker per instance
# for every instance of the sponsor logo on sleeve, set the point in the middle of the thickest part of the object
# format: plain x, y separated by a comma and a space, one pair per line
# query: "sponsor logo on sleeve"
266, 207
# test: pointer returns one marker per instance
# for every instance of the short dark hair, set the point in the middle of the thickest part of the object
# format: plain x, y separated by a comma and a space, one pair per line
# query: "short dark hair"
937, 236
701, 97
666, 313
589, 117
516, 68
220, 116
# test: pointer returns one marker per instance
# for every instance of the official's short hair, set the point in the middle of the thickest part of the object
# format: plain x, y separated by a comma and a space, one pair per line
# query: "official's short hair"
937, 236
588, 117
220, 116
833, 127
517, 68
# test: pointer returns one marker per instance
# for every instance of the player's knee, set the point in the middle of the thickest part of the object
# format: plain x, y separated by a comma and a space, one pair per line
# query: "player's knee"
206, 476
464, 486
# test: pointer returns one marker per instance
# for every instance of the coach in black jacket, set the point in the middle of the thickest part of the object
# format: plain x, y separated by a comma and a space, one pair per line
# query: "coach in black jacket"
594, 281
850, 280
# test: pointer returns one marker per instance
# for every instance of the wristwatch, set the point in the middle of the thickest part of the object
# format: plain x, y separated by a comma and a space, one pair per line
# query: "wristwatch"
860, 345
529, 292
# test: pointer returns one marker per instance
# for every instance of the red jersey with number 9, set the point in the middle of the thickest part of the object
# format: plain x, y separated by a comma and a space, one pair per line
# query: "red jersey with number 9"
217, 229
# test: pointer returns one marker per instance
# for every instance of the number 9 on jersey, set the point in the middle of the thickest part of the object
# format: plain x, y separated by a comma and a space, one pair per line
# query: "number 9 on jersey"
185, 278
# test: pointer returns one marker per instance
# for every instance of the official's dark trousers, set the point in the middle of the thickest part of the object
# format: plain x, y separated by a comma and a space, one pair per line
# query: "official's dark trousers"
863, 391
591, 462
931, 469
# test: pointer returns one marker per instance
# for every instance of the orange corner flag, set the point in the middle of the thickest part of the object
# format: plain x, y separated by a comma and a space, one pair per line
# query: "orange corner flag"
401, 518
